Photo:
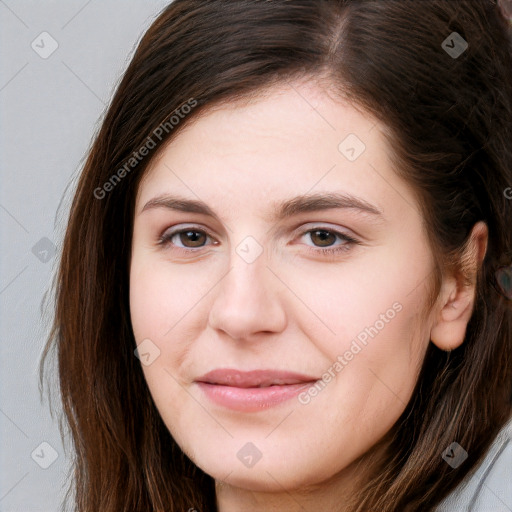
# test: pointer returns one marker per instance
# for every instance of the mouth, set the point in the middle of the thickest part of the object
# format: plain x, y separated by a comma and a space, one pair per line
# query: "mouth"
252, 391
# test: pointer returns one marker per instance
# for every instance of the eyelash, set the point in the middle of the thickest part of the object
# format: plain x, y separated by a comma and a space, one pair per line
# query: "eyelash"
165, 240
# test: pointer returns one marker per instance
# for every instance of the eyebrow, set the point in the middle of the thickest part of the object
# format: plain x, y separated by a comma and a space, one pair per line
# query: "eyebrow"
280, 211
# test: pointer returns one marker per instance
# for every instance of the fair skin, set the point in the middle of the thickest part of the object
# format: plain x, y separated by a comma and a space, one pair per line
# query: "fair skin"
292, 308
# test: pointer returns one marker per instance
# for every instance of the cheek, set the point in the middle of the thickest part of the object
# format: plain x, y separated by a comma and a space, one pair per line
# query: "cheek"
342, 302
169, 307
163, 297
160, 303
370, 328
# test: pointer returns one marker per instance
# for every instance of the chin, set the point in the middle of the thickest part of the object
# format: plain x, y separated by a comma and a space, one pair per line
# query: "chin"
263, 465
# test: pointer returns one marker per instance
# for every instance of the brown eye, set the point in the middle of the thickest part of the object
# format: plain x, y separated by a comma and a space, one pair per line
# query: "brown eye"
192, 238
322, 238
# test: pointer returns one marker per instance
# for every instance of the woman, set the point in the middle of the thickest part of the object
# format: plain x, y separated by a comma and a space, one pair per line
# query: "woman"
285, 282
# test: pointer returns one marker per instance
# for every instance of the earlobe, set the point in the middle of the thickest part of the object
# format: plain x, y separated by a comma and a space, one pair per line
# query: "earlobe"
457, 296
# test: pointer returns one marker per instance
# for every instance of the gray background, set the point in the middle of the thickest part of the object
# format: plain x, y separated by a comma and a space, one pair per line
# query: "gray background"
50, 109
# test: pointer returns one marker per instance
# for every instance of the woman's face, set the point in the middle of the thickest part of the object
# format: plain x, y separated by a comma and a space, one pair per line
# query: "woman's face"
278, 274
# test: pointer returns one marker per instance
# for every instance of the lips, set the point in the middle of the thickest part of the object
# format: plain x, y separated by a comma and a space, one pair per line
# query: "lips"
254, 379
254, 390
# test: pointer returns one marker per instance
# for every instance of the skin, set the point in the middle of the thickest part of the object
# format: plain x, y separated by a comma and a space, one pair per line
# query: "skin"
293, 308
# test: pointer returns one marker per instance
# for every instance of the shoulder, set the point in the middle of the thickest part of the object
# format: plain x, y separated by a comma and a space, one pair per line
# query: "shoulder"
489, 488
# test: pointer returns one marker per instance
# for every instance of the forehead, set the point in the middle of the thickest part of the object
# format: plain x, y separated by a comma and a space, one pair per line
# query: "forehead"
293, 140
291, 116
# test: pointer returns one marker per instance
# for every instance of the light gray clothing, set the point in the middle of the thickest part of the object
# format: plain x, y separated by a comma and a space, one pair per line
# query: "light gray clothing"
489, 489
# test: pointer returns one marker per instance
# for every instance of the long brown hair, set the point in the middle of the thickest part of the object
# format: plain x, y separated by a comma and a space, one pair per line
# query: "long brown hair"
449, 126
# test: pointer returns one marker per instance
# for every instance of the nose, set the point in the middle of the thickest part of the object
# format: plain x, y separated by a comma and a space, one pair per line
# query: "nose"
248, 302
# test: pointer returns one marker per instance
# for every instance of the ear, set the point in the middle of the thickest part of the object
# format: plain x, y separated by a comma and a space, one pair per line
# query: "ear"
457, 296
